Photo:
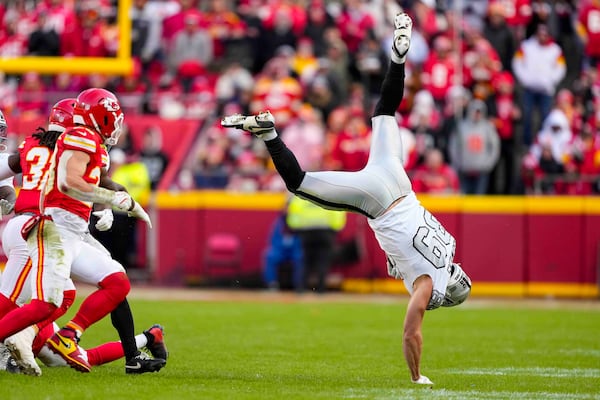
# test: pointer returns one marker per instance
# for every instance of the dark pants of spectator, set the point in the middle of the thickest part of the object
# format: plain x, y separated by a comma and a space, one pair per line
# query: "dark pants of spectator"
287, 250
503, 177
534, 100
474, 183
318, 245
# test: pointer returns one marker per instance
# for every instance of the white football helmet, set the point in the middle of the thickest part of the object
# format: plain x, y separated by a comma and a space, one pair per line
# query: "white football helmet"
459, 287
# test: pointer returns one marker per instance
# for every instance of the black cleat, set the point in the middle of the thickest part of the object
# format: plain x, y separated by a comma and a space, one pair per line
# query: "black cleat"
143, 363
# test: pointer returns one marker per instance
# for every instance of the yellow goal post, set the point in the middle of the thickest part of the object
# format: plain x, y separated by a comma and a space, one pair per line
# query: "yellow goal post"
122, 64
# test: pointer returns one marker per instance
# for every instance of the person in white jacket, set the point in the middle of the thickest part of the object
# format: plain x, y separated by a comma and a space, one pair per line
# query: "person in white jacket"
539, 66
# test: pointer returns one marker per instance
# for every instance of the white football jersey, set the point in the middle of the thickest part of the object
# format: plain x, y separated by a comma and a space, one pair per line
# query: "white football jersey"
415, 244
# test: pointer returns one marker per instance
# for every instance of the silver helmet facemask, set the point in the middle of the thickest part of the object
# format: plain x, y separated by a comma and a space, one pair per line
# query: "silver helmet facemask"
459, 287
3, 133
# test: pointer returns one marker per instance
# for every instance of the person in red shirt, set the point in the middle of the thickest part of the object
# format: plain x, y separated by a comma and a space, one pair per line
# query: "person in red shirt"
588, 27
350, 150
505, 114
355, 24
439, 69
435, 176
518, 13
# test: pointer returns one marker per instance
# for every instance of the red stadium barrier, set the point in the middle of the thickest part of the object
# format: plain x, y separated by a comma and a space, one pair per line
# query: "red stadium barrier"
543, 246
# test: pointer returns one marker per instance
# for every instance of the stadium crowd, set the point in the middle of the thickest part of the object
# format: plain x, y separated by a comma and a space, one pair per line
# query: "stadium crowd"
502, 96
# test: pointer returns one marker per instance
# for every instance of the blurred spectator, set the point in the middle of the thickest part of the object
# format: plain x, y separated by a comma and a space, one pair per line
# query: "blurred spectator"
350, 150
246, 49
59, 14
283, 246
131, 90
304, 64
338, 59
277, 38
474, 149
167, 98
439, 69
586, 157
480, 65
518, 14
506, 115
319, 21
435, 176
305, 136
410, 157
324, 89
247, 174
86, 37
153, 156
173, 24
317, 228
542, 171
200, 102
31, 100
224, 26
555, 136
372, 63
427, 20
564, 18
64, 85
212, 172
146, 32
539, 66
497, 32
424, 121
455, 109
8, 94
234, 84
565, 102
212, 164
587, 28
278, 91
541, 14
12, 43
355, 24
44, 40
190, 52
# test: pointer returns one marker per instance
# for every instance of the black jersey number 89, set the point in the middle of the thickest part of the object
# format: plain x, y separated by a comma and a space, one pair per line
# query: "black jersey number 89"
433, 241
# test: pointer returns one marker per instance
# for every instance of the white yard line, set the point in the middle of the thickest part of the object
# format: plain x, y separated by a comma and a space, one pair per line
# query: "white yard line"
444, 394
531, 371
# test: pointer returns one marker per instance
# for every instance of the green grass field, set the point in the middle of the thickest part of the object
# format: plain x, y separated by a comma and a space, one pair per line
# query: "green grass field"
342, 348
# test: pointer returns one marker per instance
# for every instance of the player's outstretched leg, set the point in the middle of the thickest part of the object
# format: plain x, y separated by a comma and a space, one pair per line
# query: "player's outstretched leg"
263, 126
20, 347
402, 35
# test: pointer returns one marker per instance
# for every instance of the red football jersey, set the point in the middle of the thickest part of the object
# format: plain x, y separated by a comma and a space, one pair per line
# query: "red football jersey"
78, 138
35, 161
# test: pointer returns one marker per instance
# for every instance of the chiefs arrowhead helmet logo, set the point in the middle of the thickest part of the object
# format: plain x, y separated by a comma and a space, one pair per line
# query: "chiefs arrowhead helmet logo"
110, 104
